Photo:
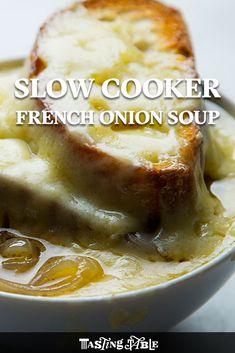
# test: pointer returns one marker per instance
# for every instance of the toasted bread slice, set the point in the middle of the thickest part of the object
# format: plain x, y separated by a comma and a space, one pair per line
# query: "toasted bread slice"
33, 196
147, 171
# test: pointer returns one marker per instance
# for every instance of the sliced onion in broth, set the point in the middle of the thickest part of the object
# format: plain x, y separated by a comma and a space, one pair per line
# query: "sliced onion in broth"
59, 275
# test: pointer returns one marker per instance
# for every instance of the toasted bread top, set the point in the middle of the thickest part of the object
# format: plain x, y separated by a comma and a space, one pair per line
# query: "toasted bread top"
167, 19
146, 166
103, 39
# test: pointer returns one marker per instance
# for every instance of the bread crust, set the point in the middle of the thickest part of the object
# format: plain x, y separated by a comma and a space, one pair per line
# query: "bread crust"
174, 29
149, 193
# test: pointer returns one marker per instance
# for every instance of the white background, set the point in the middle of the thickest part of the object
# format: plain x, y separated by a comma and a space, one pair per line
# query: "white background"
212, 27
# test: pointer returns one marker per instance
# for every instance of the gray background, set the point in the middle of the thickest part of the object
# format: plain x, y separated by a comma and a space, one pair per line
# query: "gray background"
212, 27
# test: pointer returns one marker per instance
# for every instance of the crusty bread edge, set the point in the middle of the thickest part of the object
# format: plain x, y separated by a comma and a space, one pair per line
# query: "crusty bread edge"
182, 178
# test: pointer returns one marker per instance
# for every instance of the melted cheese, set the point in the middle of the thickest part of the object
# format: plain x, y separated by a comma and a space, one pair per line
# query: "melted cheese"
106, 50
21, 169
126, 266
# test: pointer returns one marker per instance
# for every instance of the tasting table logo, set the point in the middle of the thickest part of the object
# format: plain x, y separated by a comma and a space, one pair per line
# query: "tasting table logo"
132, 343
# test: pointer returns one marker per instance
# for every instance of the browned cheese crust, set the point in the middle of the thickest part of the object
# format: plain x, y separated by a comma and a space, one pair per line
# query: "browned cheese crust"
147, 192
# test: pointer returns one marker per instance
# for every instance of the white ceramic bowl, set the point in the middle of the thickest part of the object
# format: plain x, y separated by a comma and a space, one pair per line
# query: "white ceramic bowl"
157, 308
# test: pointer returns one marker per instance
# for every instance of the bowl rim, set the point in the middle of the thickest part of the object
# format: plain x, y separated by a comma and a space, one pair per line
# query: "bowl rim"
224, 255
